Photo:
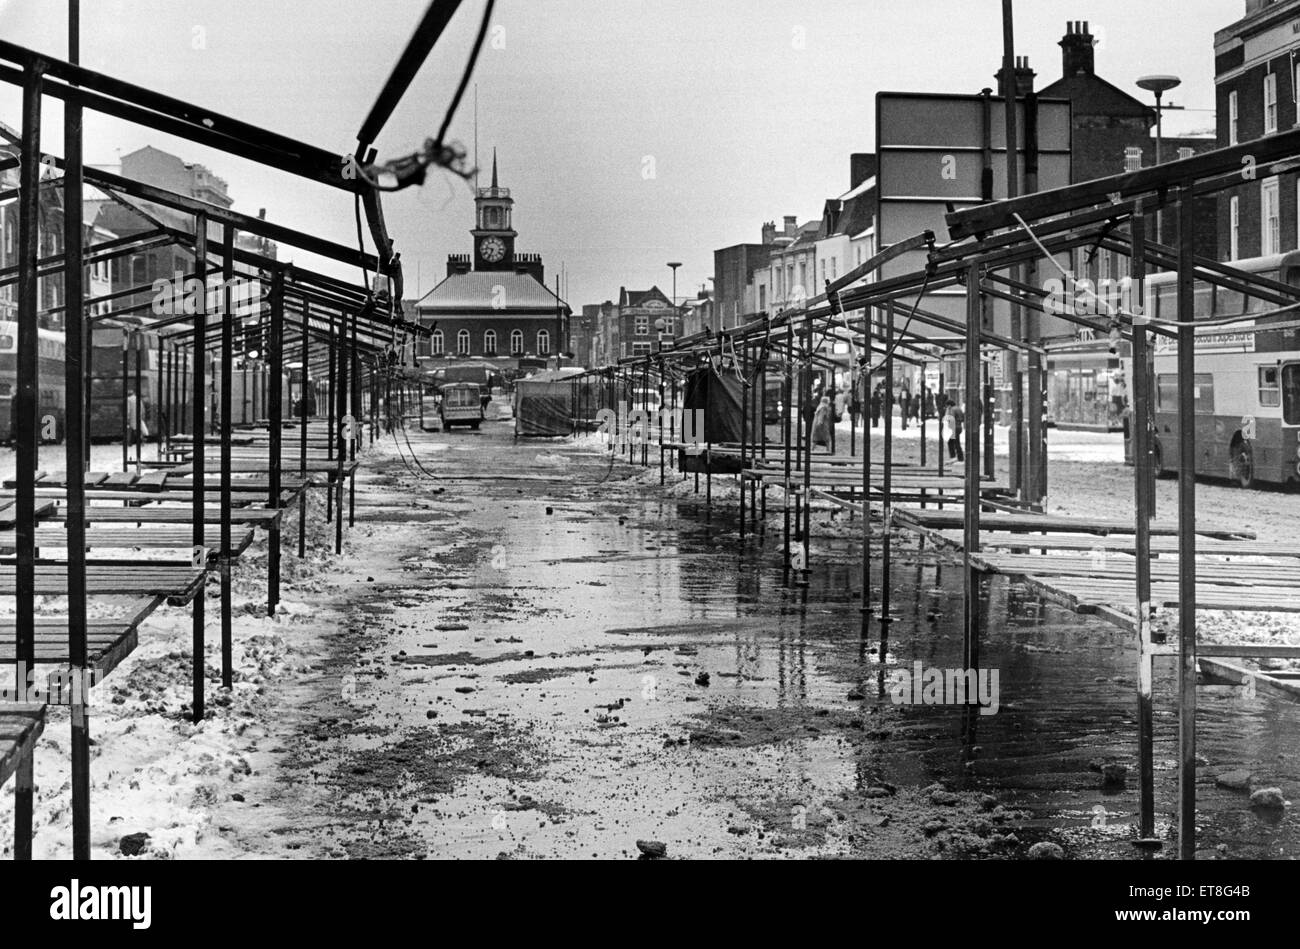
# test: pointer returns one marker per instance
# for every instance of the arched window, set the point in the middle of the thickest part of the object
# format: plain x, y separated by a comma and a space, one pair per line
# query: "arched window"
462, 343
490, 343
435, 343
516, 342
543, 342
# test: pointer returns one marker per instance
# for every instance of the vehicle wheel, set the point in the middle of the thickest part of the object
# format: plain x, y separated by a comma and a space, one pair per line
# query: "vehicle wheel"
1243, 464
1158, 468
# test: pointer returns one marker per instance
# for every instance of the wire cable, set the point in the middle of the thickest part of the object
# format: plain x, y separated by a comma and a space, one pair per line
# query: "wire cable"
469, 71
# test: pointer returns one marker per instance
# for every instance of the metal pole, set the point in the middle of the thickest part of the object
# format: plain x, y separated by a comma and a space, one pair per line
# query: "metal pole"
1036, 454
888, 485
275, 343
1186, 532
331, 415
342, 453
74, 436
942, 394
227, 401
1140, 433
302, 434
126, 375
141, 345
1015, 452
865, 371
744, 425
970, 545
805, 396
787, 395
988, 423
355, 410
196, 456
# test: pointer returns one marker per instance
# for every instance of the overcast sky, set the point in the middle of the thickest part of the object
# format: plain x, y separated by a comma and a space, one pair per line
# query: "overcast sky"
745, 110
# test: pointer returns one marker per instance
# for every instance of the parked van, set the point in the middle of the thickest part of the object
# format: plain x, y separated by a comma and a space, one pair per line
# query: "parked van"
462, 404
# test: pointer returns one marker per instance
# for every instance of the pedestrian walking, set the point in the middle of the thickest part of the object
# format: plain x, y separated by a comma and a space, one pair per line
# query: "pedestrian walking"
875, 406
136, 430
953, 423
904, 405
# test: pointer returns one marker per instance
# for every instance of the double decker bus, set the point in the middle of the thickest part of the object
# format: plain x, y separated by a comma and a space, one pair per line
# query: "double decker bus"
49, 389
1246, 388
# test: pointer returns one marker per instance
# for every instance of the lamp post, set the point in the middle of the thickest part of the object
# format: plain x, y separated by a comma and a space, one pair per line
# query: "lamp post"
673, 264
1159, 85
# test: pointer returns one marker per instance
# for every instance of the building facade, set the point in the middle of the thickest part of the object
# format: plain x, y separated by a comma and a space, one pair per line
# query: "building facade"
1112, 133
1257, 80
643, 318
493, 304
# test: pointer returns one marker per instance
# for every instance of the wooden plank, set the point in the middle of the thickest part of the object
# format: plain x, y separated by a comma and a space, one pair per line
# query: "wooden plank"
152, 514
152, 480
1049, 523
177, 582
21, 725
1238, 674
120, 479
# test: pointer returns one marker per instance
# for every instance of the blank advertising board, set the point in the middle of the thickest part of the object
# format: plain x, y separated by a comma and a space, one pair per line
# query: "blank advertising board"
941, 150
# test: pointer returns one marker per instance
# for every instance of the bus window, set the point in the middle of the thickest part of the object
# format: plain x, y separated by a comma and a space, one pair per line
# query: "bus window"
1167, 392
1291, 394
1167, 302
1202, 393
1203, 301
1229, 302
1270, 389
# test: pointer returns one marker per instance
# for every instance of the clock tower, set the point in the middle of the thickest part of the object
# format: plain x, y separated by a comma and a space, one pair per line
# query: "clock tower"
494, 238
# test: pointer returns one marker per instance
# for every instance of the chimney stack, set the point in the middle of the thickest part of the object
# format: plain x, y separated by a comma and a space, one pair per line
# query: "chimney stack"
791, 228
1024, 77
862, 165
1076, 50
769, 232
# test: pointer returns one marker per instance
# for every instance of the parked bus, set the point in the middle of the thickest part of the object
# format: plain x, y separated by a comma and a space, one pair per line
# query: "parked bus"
1246, 389
165, 383
50, 369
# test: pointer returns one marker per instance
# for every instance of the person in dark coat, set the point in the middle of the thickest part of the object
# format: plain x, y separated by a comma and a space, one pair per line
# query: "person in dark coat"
821, 429
955, 420
905, 405
875, 406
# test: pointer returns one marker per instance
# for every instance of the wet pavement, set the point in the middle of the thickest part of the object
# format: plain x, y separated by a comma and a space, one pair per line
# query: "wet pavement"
562, 659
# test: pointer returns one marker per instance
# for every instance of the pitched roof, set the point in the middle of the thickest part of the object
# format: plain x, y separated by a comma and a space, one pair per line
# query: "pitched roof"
859, 213
491, 292
631, 298
807, 234
1092, 95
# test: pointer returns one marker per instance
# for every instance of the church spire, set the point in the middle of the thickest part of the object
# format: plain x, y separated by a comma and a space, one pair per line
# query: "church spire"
494, 169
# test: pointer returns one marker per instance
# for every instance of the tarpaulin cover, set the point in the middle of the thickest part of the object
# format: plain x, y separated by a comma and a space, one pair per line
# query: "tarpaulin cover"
719, 395
543, 406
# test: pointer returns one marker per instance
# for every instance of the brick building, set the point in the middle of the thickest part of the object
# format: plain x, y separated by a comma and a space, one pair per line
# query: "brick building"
638, 314
494, 305
1257, 78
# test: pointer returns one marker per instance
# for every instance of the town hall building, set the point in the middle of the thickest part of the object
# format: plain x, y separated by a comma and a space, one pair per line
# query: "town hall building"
493, 303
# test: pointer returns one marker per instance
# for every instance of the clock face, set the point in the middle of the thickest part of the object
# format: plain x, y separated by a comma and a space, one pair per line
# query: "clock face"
492, 249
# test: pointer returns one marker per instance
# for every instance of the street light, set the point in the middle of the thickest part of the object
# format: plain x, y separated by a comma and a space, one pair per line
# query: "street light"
1159, 85
674, 265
